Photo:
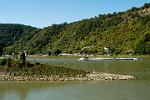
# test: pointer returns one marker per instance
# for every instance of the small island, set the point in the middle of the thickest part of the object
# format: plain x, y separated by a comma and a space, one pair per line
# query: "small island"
22, 70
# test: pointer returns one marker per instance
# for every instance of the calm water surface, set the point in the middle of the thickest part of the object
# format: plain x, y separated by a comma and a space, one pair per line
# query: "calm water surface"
93, 90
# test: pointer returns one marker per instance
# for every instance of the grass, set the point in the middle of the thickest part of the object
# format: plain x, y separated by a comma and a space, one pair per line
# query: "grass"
10, 66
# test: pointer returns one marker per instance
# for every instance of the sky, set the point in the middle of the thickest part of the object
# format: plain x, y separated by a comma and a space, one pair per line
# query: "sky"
43, 13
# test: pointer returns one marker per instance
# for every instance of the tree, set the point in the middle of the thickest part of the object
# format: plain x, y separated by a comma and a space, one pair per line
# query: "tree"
57, 52
140, 47
146, 5
49, 53
147, 48
1, 50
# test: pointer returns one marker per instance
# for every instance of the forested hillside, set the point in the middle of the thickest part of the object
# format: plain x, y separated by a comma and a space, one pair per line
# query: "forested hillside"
122, 32
10, 33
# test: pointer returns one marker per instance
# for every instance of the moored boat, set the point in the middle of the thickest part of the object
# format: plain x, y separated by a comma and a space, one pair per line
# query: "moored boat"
94, 59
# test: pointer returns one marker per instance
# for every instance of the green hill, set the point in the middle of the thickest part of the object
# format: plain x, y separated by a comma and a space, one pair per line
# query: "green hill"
11, 33
122, 32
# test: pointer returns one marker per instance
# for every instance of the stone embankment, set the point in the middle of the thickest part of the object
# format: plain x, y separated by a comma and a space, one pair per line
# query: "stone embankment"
88, 77
106, 76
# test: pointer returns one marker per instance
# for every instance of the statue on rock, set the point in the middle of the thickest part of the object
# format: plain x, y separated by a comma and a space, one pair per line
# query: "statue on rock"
22, 58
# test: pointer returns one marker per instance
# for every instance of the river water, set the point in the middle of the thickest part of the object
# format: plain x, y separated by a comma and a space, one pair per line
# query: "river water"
138, 89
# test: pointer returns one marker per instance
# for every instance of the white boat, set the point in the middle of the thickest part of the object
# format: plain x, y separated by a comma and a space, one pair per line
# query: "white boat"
128, 58
83, 59
94, 59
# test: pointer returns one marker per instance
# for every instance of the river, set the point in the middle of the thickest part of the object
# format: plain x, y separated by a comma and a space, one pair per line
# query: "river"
138, 89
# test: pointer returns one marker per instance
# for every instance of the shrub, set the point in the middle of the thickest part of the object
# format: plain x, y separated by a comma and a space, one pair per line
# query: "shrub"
3, 61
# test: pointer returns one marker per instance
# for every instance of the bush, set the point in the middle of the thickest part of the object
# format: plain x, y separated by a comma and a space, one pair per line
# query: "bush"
57, 52
3, 61
38, 69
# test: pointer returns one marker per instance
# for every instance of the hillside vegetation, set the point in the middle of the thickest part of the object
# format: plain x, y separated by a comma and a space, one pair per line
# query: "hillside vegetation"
122, 32
11, 33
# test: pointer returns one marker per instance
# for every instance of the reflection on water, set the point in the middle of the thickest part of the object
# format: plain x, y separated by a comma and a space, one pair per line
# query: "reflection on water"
93, 90
20, 90
100, 90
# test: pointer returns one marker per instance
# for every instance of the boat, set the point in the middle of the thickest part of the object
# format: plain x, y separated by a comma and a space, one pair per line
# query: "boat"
95, 59
83, 59
128, 59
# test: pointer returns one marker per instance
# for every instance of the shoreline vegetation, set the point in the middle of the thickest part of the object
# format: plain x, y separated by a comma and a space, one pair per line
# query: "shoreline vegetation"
92, 56
13, 70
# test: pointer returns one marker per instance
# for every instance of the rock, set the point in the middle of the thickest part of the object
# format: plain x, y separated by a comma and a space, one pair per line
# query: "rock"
106, 76
91, 76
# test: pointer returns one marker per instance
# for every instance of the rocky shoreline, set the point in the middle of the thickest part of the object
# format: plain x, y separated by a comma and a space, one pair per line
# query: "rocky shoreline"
88, 77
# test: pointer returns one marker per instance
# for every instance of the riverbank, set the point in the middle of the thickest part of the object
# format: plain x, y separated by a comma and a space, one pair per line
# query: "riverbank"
87, 77
91, 56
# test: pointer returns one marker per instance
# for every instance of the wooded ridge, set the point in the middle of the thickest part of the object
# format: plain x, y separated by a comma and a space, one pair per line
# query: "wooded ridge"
122, 32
